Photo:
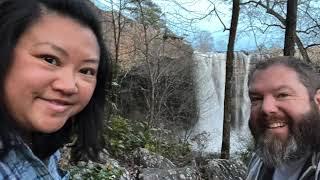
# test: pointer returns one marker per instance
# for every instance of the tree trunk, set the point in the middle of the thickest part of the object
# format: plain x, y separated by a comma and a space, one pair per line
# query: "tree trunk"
270, 11
225, 148
291, 24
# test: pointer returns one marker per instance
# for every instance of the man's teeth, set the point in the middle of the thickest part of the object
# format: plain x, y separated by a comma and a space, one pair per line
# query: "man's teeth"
276, 125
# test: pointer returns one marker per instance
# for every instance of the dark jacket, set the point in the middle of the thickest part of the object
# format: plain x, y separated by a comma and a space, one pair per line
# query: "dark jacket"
310, 171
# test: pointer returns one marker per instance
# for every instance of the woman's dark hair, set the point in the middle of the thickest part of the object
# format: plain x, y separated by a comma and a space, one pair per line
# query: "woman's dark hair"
16, 16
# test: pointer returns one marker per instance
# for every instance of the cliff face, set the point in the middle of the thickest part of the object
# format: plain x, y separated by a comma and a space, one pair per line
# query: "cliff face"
132, 49
156, 72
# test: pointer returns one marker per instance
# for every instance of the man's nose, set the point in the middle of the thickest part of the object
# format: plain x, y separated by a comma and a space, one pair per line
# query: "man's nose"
269, 105
66, 82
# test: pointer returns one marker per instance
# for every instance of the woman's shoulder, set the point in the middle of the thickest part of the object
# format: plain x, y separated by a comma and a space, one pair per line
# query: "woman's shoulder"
53, 167
20, 162
15, 165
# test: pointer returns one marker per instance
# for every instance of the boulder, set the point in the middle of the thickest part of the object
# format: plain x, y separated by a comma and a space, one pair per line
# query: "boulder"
156, 167
147, 159
222, 169
185, 173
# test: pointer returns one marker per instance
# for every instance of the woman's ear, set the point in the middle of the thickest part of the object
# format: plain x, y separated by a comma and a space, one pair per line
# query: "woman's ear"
316, 98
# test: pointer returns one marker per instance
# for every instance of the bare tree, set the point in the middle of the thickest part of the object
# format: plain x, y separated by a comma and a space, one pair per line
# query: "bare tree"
161, 52
225, 149
277, 10
118, 23
204, 42
152, 75
291, 24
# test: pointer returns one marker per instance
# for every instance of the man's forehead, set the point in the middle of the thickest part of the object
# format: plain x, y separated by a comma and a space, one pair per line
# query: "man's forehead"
273, 78
279, 70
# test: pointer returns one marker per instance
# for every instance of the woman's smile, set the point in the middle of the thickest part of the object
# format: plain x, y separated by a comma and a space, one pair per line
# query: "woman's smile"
57, 105
52, 78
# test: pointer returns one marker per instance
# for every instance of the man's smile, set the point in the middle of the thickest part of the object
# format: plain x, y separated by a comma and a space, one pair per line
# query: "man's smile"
276, 125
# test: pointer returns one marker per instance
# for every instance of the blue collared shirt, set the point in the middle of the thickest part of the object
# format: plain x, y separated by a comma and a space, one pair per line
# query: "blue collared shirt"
21, 163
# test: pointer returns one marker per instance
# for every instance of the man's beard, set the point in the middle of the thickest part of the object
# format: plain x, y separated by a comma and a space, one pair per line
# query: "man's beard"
303, 138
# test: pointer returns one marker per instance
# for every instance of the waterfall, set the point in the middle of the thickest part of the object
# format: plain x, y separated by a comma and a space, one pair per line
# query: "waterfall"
210, 83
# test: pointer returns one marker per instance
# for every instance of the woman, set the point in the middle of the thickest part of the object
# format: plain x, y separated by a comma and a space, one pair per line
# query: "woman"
53, 72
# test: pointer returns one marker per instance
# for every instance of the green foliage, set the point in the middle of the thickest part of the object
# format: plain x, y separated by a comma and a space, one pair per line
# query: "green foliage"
95, 172
163, 142
174, 151
124, 136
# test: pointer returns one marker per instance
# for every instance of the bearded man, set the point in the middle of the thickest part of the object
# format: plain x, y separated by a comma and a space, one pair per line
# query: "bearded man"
284, 120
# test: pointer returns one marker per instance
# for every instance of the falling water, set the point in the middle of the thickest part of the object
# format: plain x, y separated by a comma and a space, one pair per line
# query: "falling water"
210, 82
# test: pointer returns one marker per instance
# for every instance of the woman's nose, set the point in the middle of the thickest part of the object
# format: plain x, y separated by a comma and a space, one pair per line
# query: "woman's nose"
66, 82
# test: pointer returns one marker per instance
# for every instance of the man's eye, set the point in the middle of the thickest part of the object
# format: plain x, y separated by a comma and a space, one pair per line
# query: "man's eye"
88, 71
255, 99
282, 95
50, 59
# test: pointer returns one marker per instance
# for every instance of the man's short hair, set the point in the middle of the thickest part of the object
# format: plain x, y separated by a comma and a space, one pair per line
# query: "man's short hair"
307, 73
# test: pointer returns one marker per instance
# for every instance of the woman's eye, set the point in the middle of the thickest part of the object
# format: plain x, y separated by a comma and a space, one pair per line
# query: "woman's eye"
88, 71
50, 59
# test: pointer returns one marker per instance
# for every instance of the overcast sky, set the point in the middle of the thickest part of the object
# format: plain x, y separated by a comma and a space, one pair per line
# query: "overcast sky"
197, 9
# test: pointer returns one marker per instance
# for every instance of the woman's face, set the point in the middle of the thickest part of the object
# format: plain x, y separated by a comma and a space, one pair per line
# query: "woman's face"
53, 74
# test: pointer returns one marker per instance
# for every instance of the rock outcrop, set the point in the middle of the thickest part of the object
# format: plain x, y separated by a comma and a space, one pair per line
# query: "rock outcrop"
156, 167
222, 169
147, 159
185, 173
152, 166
